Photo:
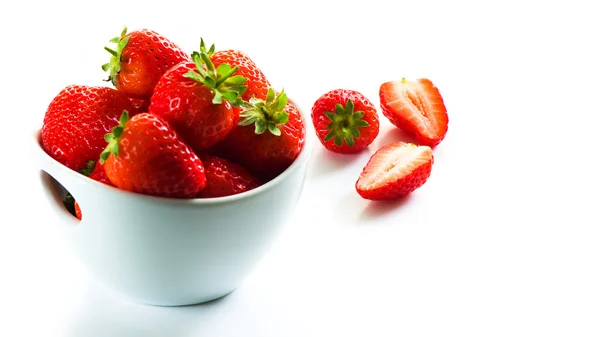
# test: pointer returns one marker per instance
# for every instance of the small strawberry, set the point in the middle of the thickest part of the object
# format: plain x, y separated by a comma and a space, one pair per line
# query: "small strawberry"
144, 155
139, 61
394, 171
77, 120
195, 99
224, 178
415, 107
345, 121
265, 154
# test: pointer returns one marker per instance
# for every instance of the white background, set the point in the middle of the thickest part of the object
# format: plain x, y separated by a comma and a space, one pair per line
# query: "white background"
503, 240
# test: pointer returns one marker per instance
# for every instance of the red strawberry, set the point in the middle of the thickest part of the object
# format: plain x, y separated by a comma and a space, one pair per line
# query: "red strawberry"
394, 171
266, 154
415, 107
145, 155
257, 82
224, 178
139, 61
345, 120
195, 99
77, 120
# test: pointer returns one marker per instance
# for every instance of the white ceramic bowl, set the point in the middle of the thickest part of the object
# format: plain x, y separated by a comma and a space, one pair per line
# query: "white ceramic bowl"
170, 252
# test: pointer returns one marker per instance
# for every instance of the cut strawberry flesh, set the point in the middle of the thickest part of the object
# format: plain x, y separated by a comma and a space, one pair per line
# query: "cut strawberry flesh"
394, 163
416, 107
394, 171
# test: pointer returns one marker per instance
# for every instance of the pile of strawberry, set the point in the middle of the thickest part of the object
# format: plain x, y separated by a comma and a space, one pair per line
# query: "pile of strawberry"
177, 125
347, 122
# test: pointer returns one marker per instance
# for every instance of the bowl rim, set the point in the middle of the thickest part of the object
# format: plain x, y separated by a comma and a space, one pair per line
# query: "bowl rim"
302, 159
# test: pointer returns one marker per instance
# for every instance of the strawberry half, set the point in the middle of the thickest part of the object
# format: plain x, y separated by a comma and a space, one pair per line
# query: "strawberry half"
395, 171
144, 155
417, 108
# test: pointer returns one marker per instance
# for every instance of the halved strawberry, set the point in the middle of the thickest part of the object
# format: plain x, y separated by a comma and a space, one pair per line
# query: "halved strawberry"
415, 107
394, 171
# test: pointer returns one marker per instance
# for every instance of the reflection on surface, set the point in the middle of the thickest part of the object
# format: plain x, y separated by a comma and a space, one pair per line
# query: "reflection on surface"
249, 311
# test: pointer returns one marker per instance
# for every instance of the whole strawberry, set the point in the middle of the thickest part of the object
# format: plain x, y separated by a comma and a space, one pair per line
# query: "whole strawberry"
196, 98
77, 120
144, 155
345, 121
268, 138
395, 171
224, 178
139, 61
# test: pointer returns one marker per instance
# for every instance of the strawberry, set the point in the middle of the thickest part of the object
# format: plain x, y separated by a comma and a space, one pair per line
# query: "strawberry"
77, 120
144, 155
415, 107
224, 178
195, 99
265, 154
394, 171
345, 120
257, 82
139, 61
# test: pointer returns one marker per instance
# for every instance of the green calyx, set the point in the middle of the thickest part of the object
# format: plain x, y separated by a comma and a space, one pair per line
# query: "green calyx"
345, 124
113, 138
220, 79
113, 67
265, 114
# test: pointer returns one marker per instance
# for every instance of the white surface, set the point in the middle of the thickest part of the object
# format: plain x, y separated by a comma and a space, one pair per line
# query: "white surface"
501, 241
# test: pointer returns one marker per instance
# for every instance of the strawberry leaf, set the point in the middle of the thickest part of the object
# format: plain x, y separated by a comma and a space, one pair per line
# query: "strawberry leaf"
220, 80
87, 170
113, 138
113, 67
267, 114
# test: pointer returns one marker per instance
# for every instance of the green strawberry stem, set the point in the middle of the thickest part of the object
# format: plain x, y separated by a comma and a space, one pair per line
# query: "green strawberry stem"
113, 138
219, 80
344, 124
265, 114
114, 65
